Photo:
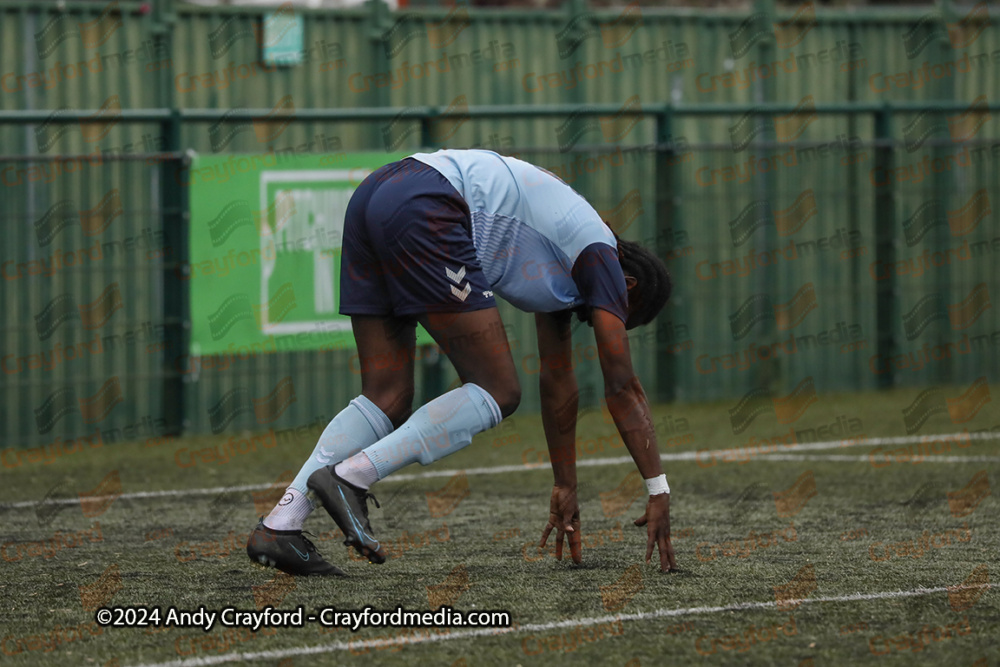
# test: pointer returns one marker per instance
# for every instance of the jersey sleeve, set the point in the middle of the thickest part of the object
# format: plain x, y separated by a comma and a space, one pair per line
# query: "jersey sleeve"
599, 277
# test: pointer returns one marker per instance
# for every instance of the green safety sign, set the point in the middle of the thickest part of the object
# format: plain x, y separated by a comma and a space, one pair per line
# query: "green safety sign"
265, 246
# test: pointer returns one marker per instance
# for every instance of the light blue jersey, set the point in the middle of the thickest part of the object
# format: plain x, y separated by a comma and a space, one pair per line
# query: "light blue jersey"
530, 230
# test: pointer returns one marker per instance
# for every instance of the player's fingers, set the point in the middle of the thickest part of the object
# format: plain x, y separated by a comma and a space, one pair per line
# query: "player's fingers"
670, 552
664, 555
559, 544
545, 534
567, 519
575, 547
641, 521
649, 547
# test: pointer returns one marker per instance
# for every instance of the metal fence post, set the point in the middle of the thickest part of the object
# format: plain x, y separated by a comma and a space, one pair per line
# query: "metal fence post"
175, 214
378, 33
772, 371
432, 379
885, 242
428, 140
162, 30
948, 188
175, 218
576, 10
765, 48
666, 219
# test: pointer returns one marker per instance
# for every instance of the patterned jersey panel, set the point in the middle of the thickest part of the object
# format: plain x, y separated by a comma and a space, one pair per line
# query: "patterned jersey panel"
529, 229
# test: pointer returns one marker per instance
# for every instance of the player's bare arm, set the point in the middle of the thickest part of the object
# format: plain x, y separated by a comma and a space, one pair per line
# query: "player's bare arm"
559, 403
629, 408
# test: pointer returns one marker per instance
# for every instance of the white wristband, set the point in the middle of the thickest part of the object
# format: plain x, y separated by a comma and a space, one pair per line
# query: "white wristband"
657, 485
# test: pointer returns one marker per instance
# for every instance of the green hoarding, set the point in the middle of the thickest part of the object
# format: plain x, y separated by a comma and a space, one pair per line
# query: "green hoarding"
265, 245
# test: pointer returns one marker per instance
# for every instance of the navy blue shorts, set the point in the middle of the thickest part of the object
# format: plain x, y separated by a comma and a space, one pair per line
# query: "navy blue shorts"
408, 246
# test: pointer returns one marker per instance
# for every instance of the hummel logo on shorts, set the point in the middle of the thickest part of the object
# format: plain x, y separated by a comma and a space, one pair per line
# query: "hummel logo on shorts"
456, 277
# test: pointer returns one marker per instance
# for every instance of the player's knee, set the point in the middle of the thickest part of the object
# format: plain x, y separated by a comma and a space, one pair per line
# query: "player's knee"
508, 397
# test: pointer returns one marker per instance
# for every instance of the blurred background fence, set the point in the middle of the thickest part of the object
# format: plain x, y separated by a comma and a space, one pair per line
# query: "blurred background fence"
821, 184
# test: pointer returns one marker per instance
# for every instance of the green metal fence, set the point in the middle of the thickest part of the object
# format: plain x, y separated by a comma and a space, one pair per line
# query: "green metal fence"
827, 186
189, 56
835, 219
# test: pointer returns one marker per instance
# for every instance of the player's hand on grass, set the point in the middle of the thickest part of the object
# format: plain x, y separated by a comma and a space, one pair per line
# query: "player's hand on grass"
564, 516
657, 522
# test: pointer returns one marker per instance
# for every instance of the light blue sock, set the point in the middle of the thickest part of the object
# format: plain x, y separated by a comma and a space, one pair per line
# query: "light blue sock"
439, 428
357, 426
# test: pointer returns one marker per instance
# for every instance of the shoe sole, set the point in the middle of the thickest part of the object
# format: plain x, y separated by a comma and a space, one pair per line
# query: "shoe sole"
267, 562
316, 487
270, 564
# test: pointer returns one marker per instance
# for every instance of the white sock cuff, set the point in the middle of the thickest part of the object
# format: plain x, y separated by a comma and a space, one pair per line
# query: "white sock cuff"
494, 416
358, 470
374, 416
292, 514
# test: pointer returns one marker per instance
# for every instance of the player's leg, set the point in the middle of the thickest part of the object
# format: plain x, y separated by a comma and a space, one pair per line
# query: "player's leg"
277, 540
385, 348
477, 346
385, 356
423, 234
476, 343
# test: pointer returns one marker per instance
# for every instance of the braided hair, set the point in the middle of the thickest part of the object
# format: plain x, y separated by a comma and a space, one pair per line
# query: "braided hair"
653, 284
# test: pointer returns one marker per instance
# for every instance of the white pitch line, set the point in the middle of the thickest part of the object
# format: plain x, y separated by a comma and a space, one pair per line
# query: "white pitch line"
704, 454
865, 459
169, 493
543, 627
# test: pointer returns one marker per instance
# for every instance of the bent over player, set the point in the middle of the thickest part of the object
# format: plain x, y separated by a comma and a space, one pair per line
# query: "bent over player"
431, 239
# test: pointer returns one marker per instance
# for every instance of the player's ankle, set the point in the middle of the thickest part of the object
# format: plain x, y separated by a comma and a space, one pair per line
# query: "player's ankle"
358, 470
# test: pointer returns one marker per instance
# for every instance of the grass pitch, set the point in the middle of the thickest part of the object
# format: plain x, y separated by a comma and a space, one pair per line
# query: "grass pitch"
870, 541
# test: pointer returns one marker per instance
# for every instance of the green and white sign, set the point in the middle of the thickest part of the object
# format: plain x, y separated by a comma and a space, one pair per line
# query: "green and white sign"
266, 232
282, 37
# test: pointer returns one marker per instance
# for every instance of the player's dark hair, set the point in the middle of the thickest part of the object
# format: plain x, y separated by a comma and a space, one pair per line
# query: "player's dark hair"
653, 284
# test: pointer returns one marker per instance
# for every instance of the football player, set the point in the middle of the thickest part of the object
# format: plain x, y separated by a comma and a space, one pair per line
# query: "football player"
431, 239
